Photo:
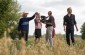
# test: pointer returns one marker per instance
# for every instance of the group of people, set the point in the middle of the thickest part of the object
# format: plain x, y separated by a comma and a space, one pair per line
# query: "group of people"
68, 23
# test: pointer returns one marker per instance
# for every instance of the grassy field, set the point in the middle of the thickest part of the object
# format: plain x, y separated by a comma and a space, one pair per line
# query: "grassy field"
15, 47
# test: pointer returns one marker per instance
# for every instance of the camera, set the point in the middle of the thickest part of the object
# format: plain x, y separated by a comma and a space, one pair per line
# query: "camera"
43, 19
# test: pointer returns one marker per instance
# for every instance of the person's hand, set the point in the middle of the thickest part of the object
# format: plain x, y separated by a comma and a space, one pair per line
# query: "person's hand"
64, 28
76, 29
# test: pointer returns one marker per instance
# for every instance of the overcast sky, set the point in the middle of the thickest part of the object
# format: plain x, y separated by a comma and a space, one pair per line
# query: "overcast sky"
59, 9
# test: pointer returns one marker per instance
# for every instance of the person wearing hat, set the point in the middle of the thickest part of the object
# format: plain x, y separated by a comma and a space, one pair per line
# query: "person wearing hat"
23, 26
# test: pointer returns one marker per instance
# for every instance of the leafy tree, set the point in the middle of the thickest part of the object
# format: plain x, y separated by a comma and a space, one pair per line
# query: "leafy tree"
9, 15
83, 31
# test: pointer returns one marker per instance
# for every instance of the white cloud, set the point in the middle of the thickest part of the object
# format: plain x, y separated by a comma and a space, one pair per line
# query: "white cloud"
65, 3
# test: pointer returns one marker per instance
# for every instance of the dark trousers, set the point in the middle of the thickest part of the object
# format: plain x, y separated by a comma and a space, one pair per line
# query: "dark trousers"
24, 34
70, 34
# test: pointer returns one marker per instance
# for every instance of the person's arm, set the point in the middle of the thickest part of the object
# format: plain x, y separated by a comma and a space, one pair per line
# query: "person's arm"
76, 27
64, 24
75, 24
37, 18
49, 23
30, 18
64, 27
54, 25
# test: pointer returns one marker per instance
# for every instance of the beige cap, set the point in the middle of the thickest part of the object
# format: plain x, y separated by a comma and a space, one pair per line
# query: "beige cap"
24, 14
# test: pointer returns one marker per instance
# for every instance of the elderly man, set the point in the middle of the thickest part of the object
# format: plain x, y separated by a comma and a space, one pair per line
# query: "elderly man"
23, 26
49, 26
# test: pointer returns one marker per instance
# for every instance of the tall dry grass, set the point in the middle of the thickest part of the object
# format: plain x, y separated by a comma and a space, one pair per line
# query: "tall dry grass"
19, 47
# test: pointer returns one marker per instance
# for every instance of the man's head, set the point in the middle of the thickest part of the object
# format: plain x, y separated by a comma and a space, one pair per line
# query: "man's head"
24, 14
69, 10
49, 13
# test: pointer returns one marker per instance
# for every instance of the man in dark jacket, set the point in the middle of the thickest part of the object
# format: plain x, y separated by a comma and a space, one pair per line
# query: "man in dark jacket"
49, 28
23, 26
68, 23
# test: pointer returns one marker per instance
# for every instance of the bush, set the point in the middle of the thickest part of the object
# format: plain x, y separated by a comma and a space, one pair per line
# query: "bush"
9, 15
83, 31
14, 33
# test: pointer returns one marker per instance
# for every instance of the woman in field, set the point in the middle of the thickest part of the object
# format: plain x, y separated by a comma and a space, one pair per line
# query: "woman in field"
38, 26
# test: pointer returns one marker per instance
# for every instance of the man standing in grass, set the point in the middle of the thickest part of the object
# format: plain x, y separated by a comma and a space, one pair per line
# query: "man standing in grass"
68, 23
23, 26
49, 26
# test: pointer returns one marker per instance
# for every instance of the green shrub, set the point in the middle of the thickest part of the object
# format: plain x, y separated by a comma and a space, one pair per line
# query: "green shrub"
83, 31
